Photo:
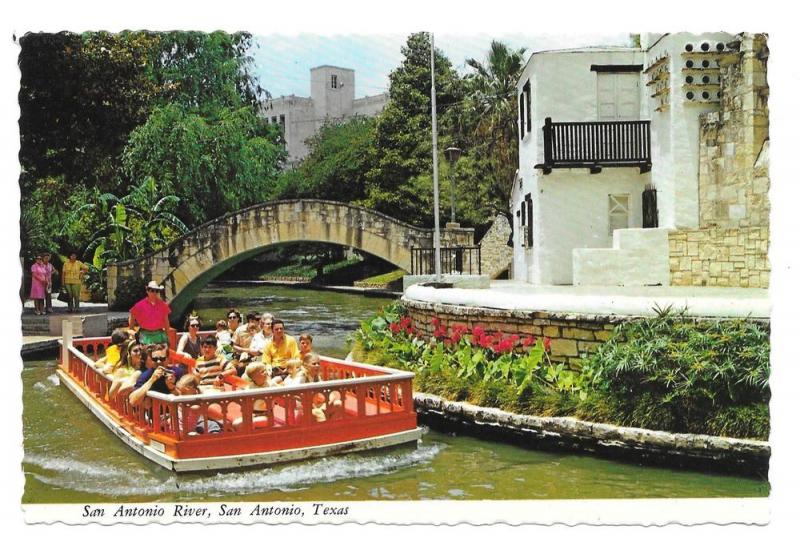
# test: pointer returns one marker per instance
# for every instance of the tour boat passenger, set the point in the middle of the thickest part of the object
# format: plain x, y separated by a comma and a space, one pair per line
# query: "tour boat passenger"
313, 368
263, 337
124, 377
306, 344
151, 314
211, 364
189, 343
234, 321
113, 356
188, 385
224, 339
283, 347
161, 380
156, 357
242, 340
297, 373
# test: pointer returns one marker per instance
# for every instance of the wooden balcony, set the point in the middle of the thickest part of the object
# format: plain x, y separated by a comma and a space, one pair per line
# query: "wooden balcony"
596, 144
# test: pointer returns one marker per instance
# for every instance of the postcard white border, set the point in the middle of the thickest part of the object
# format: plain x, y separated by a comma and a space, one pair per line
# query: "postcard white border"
349, 16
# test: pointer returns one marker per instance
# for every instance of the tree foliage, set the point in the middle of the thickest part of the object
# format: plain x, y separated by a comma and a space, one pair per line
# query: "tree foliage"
403, 132
80, 96
340, 154
213, 164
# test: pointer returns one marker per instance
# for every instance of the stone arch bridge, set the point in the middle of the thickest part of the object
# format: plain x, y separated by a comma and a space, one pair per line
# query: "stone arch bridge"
189, 263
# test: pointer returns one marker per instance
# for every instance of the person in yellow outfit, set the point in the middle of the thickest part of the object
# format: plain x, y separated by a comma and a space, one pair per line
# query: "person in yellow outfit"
71, 277
283, 347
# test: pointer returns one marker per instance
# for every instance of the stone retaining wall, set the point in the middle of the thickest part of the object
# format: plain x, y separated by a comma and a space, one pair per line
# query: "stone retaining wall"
573, 336
710, 453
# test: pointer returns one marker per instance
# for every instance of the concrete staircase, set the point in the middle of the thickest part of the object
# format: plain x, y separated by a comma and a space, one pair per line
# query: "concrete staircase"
638, 257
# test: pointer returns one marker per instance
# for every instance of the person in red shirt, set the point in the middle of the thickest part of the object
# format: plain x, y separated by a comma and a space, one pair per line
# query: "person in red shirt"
151, 314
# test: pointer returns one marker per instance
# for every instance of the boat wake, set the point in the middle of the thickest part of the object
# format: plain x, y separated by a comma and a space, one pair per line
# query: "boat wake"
117, 482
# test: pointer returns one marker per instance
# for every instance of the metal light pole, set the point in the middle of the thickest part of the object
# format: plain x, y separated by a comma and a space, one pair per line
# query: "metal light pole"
452, 154
437, 246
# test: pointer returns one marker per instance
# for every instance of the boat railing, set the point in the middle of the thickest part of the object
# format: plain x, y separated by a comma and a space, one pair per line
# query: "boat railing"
350, 396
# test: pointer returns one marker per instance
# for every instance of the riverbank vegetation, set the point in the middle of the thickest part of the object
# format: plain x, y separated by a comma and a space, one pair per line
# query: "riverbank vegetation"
663, 373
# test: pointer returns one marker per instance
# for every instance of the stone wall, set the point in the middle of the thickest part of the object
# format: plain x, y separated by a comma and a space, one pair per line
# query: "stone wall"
496, 255
748, 457
719, 257
572, 336
730, 247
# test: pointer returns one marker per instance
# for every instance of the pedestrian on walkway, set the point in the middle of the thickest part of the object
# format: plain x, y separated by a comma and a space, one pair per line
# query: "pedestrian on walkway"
49, 271
71, 275
38, 285
151, 314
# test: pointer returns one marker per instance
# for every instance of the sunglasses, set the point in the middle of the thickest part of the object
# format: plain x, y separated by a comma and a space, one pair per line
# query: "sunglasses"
152, 290
158, 358
233, 317
194, 326
136, 351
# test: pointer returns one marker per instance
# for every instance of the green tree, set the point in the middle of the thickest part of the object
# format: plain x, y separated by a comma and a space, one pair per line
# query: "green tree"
403, 132
488, 122
203, 72
214, 164
80, 96
336, 165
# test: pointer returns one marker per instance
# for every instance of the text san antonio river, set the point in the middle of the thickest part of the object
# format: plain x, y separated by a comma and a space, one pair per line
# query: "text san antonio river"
71, 458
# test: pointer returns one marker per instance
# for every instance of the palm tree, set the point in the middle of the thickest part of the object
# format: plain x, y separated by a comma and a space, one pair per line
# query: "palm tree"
490, 114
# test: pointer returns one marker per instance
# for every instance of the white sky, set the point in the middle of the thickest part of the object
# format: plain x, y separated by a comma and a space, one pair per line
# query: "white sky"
283, 61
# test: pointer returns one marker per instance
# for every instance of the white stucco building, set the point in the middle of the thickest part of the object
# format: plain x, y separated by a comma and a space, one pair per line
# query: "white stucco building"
600, 126
332, 98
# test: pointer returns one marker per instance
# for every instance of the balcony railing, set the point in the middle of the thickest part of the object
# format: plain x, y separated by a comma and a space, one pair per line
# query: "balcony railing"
596, 144
456, 259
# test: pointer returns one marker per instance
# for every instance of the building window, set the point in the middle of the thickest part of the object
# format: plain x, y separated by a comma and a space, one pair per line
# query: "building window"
521, 116
274, 119
526, 89
618, 211
334, 83
529, 231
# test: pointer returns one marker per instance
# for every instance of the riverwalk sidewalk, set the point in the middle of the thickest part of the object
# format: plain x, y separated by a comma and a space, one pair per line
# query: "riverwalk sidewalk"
603, 300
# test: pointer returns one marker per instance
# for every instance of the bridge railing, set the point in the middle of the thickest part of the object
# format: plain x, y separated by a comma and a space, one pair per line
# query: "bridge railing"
455, 259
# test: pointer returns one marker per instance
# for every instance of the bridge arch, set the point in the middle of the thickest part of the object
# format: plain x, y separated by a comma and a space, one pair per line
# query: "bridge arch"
191, 262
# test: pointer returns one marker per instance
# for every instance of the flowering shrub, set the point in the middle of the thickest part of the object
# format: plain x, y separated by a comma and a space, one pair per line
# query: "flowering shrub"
471, 354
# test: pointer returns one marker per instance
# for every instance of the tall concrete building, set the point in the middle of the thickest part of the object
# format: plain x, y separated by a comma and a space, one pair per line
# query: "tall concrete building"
332, 98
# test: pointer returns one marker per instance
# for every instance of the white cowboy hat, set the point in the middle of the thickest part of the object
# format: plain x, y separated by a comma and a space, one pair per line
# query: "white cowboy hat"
154, 285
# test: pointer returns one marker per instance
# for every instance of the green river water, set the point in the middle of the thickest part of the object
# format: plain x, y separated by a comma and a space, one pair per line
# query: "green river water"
71, 458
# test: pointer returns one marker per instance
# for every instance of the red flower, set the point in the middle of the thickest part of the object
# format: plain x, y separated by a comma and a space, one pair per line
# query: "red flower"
394, 327
477, 332
435, 321
547, 344
528, 341
485, 341
405, 322
505, 346
456, 337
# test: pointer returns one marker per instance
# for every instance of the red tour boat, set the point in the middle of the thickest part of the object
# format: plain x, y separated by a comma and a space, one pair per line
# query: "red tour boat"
356, 407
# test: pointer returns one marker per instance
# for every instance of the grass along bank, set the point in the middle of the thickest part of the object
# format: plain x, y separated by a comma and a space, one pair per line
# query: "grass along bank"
666, 373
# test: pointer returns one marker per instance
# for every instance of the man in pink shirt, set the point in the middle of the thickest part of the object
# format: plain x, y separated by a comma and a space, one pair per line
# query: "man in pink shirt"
151, 314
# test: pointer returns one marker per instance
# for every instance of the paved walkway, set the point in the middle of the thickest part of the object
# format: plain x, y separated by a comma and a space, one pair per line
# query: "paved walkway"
594, 300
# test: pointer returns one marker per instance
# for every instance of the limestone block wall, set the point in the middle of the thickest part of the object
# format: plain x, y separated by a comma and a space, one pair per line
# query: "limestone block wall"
720, 257
730, 247
496, 255
572, 336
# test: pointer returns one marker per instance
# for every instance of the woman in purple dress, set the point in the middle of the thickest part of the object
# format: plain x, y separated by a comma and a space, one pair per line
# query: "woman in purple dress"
38, 285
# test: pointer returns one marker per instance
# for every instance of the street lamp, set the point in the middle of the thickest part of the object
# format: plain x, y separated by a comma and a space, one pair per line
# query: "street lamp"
452, 154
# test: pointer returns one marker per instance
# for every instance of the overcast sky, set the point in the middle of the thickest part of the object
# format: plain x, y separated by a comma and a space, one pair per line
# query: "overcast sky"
283, 61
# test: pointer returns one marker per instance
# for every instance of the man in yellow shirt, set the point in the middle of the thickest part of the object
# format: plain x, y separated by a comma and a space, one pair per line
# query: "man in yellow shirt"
283, 347
71, 277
